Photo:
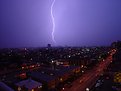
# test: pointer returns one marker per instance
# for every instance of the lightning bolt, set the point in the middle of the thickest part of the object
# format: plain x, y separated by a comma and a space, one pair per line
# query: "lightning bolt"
53, 21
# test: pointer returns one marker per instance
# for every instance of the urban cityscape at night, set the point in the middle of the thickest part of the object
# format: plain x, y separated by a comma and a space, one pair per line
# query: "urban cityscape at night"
60, 45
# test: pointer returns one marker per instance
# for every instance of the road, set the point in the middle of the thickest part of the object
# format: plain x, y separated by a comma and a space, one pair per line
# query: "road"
88, 79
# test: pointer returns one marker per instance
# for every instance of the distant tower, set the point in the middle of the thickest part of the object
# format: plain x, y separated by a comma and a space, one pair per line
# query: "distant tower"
49, 46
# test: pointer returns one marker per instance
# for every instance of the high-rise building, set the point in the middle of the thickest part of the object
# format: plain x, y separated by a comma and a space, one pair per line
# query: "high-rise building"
49, 45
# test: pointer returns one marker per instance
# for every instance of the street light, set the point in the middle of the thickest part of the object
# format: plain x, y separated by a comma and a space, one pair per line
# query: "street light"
63, 88
82, 71
52, 61
87, 89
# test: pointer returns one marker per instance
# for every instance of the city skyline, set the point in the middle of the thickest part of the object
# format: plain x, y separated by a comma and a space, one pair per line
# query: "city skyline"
77, 23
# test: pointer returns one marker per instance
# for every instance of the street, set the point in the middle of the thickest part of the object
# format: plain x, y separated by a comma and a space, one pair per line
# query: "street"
88, 79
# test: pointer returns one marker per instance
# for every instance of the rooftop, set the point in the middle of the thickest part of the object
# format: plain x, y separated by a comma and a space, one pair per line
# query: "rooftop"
29, 83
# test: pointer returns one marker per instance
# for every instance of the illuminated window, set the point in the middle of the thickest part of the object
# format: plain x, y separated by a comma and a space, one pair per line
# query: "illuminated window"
61, 79
117, 77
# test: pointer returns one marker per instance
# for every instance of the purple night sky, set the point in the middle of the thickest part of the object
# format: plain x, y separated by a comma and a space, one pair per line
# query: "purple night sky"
28, 23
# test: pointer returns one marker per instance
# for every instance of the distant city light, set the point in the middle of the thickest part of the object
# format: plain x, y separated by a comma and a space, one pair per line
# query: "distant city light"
82, 71
63, 88
87, 89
